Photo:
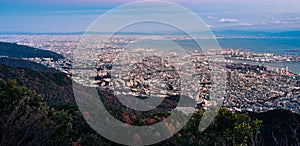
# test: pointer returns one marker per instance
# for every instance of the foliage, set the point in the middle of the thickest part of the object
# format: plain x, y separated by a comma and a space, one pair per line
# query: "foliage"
56, 87
227, 129
279, 127
29, 118
26, 120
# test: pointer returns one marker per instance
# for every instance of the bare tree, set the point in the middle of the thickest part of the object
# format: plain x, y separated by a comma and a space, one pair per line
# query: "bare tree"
274, 138
294, 131
256, 139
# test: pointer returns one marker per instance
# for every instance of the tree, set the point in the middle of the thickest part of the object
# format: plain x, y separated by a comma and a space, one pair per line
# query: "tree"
228, 128
26, 120
231, 128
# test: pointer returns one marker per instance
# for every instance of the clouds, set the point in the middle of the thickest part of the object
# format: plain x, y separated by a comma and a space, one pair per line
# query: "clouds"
294, 20
245, 24
211, 17
209, 26
234, 21
281, 22
78, 11
218, 14
228, 20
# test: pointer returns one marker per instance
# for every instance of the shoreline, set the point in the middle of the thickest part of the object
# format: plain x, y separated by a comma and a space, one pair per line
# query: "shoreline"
294, 67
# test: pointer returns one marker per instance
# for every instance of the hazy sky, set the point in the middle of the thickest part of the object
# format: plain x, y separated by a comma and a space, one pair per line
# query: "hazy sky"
77, 15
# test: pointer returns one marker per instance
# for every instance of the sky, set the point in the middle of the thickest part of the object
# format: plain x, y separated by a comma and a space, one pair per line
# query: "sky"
77, 15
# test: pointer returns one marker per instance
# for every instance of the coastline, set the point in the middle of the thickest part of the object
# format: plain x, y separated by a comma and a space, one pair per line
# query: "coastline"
294, 67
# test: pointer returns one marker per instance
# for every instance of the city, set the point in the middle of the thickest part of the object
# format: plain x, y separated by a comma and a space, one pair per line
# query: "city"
150, 72
252, 88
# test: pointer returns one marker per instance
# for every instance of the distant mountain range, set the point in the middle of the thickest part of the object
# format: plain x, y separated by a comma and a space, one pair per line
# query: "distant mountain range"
243, 33
235, 33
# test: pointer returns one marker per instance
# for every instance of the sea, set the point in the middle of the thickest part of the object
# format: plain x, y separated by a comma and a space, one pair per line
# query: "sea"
273, 45
278, 46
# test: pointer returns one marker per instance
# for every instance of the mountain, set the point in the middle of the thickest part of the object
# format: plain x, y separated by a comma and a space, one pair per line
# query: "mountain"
20, 63
279, 127
243, 33
56, 86
13, 50
219, 33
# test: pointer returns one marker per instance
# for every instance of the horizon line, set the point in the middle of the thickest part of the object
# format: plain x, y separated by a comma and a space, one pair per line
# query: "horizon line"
223, 32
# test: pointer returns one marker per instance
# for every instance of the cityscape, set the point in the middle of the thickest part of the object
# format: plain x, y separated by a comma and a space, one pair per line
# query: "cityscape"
252, 88
150, 72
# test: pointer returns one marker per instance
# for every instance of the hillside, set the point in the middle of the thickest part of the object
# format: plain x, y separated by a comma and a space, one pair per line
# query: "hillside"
279, 127
13, 50
20, 63
56, 86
